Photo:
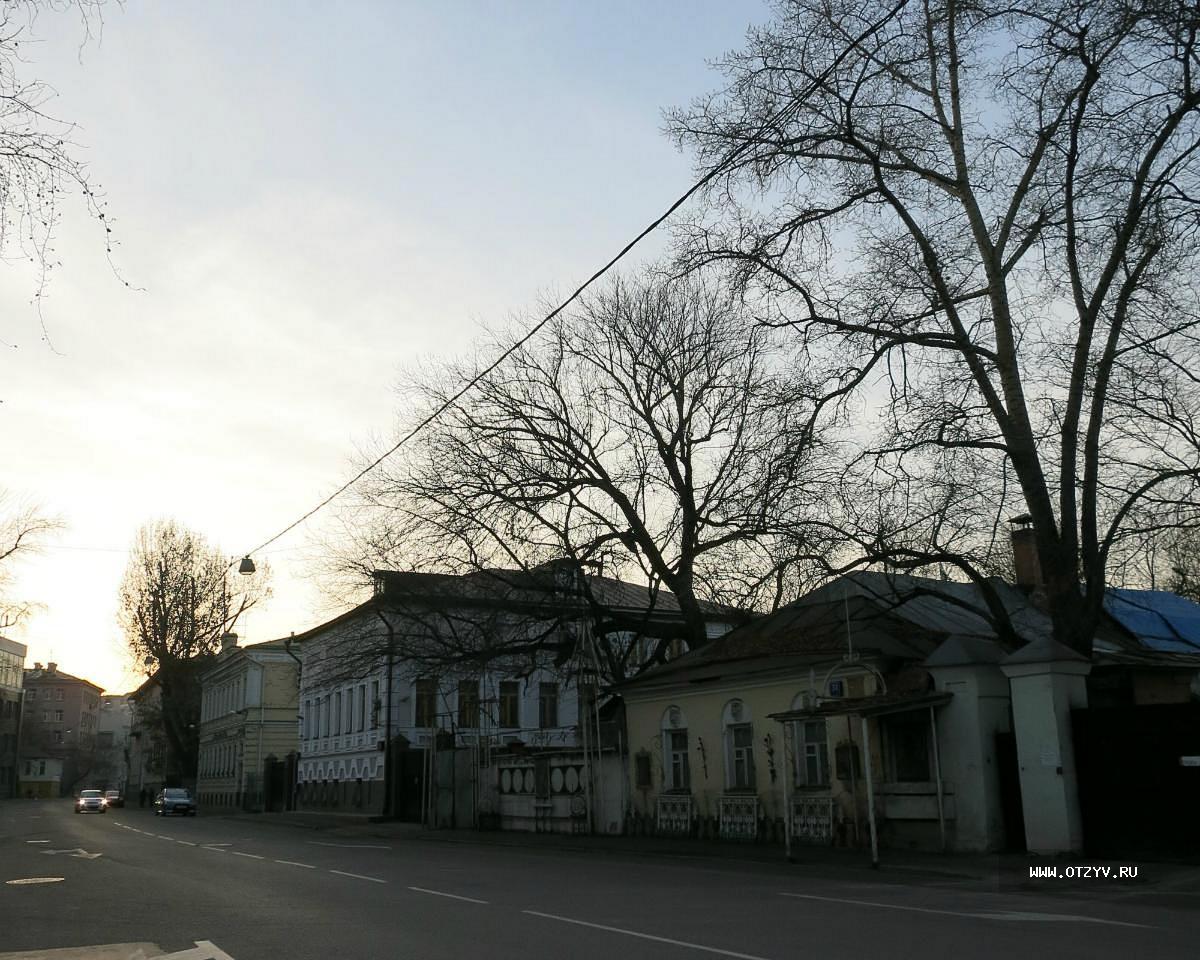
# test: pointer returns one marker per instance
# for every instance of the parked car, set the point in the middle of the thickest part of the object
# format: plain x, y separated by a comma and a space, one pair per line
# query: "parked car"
174, 800
113, 798
90, 801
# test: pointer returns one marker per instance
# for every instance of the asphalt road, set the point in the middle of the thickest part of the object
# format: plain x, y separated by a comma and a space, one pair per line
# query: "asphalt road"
266, 891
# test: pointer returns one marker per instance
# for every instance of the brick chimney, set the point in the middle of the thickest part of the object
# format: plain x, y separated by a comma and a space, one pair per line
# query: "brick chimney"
51, 667
37, 665
228, 641
1025, 556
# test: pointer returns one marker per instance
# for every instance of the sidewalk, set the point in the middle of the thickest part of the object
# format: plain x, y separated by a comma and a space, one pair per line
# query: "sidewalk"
994, 871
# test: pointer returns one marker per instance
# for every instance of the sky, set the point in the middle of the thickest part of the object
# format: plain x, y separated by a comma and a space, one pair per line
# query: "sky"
307, 198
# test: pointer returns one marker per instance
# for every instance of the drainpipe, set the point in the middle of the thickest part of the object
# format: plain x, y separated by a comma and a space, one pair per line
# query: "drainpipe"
387, 725
287, 645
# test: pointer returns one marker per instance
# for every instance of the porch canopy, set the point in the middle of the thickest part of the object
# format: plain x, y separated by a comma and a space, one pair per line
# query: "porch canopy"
864, 708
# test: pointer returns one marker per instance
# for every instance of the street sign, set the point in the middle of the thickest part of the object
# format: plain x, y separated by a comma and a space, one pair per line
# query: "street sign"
1189, 761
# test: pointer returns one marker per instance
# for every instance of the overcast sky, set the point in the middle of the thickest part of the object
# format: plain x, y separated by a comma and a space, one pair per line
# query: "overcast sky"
309, 197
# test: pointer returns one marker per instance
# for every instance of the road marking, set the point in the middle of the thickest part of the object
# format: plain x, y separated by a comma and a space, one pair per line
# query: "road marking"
252, 856
37, 841
163, 836
186, 843
1003, 915
28, 880
205, 846
357, 876
293, 863
203, 950
77, 852
349, 846
452, 896
646, 936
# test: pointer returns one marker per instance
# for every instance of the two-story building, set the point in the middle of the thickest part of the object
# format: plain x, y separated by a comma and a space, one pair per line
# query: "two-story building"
514, 676
248, 726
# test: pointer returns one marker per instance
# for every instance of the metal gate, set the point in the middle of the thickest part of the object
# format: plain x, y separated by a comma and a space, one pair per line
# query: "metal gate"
1139, 793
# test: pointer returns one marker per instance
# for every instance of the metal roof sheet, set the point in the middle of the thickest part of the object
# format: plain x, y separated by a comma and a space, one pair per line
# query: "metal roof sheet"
1159, 620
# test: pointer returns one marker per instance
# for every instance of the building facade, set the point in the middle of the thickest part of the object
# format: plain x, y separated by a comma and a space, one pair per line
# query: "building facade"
111, 769
12, 666
355, 700
248, 726
61, 719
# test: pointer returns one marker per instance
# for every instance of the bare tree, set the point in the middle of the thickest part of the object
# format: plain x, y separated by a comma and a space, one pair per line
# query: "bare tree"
39, 166
176, 601
992, 210
23, 530
654, 433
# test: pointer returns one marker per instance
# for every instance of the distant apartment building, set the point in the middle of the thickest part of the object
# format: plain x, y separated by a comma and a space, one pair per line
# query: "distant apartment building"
111, 769
12, 663
61, 719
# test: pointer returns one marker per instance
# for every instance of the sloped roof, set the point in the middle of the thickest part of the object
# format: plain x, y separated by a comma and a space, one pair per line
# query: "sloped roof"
880, 614
58, 676
558, 584
1160, 621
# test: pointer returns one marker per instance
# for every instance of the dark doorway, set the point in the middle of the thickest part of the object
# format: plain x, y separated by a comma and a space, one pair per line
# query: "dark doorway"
409, 784
274, 784
1009, 773
1138, 796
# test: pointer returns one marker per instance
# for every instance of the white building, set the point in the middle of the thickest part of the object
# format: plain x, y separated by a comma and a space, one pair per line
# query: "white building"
521, 692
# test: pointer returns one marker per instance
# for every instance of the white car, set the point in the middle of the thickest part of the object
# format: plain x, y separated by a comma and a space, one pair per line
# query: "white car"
91, 801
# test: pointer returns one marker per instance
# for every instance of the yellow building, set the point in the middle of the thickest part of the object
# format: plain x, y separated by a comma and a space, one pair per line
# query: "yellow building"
248, 726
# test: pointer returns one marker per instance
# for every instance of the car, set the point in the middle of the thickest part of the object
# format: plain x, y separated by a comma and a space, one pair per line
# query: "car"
113, 798
174, 800
90, 801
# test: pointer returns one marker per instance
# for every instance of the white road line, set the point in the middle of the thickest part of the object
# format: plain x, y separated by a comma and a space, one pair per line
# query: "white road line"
452, 896
978, 915
252, 856
350, 846
357, 876
205, 846
646, 936
293, 863
37, 841
186, 843
163, 836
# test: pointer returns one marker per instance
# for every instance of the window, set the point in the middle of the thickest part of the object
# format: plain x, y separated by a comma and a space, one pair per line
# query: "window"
906, 747
58, 693
812, 754
58, 737
679, 776
306, 721
510, 703
426, 702
642, 770
547, 705
375, 704
45, 693
362, 707
337, 713
468, 702
58, 715
586, 704
740, 737
45, 716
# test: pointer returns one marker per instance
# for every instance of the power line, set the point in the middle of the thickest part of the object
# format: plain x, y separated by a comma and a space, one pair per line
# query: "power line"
751, 140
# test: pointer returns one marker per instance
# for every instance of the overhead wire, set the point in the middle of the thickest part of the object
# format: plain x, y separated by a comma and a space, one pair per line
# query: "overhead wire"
792, 106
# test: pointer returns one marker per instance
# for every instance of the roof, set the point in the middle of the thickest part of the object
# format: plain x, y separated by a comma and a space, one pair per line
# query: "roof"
1160, 621
58, 676
893, 616
559, 584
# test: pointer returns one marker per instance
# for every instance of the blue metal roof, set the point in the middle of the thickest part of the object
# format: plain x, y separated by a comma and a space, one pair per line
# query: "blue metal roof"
1160, 620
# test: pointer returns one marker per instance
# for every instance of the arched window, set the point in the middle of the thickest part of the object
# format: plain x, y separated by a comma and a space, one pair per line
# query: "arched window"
738, 728
676, 769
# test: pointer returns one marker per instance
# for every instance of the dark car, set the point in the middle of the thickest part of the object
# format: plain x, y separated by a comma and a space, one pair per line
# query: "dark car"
174, 800
90, 801
113, 798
